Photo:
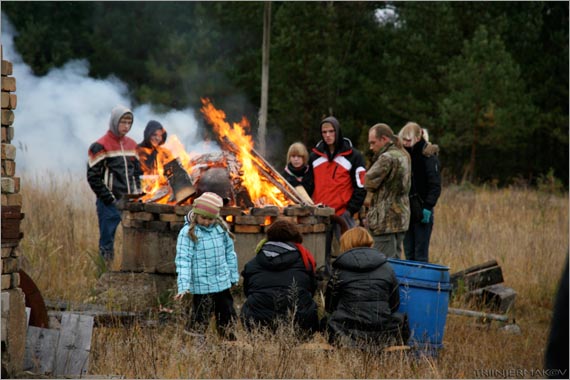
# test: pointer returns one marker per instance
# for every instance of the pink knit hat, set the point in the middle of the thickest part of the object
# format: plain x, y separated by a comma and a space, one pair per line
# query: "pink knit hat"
208, 205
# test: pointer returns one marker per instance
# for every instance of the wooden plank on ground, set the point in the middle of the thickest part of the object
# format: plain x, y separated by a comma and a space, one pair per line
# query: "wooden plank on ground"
39, 355
72, 355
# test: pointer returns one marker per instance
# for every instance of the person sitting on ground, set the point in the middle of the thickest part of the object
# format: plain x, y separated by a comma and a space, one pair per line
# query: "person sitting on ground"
279, 282
362, 296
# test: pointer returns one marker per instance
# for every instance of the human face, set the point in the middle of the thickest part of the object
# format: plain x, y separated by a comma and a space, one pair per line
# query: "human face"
125, 124
296, 160
156, 137
204, 220
409, 141
329, 134
376, 143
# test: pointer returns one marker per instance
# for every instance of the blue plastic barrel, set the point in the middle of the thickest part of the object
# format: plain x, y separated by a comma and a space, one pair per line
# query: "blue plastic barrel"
424, 296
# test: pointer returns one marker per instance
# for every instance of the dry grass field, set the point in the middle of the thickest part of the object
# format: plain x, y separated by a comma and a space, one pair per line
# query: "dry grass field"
526, 231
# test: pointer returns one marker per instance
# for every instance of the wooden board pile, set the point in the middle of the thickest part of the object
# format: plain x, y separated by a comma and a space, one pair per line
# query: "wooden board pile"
482, 286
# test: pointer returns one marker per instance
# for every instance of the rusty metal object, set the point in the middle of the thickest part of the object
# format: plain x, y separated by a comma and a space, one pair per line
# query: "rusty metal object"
179, 181
34, 300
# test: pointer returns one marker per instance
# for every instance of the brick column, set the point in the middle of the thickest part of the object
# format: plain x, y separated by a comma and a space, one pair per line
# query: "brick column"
12, 298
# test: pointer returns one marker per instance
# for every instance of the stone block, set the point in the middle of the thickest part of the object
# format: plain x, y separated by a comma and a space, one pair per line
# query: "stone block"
13, 199
7, 134
8, 152
7, 117
6, 281
7, 251
9, 265
8, 84
8, 168
7, 185
7, 68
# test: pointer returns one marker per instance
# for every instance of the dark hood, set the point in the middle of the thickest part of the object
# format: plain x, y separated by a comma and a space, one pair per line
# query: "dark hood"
341, 143
360, 260
277, 256
151, 127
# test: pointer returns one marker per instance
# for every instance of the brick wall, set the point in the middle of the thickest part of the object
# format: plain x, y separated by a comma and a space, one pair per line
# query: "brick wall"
13, 310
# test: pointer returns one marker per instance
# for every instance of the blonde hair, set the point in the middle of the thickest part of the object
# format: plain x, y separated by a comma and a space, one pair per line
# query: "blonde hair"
354, 238
218, 220
412, 129
298, 149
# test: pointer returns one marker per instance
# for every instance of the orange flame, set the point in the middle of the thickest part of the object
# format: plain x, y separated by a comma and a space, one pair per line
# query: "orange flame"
260, 190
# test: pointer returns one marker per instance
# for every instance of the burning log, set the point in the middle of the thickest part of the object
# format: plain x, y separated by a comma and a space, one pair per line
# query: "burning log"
179, 181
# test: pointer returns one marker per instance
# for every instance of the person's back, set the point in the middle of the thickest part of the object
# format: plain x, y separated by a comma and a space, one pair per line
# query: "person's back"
362, 294
280, 281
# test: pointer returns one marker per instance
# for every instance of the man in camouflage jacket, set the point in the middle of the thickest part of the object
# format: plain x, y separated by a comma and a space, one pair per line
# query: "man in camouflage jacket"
387, 183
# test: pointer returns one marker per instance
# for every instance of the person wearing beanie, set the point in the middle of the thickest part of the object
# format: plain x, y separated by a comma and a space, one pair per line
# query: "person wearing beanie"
113, 170
279, 283
338, 173
151, 150
207, 267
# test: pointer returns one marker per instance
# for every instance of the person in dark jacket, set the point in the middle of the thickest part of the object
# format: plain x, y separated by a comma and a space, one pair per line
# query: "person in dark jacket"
152, 154
113, 170
426, 188
338, 172
297, 170
362, 296
279, 282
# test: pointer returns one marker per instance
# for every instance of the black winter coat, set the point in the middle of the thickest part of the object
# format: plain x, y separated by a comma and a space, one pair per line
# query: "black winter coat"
362, 296
276, 282
426, 179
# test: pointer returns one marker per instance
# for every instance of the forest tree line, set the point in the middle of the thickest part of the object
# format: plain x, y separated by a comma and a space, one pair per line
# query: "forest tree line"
488, 80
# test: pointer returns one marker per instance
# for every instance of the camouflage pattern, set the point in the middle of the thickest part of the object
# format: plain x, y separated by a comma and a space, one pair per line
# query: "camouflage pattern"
388, 183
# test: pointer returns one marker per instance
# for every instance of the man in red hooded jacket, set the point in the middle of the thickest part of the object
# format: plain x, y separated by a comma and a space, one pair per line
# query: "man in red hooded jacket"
339, 171
112, 171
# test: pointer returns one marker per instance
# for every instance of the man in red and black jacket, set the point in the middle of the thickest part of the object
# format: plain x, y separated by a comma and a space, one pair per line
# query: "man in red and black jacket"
112, 171
338, 170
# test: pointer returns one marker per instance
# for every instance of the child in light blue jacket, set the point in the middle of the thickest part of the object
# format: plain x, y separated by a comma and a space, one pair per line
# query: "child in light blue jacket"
206, 264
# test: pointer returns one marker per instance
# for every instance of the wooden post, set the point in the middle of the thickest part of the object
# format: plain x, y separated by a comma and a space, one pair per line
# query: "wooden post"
264, 76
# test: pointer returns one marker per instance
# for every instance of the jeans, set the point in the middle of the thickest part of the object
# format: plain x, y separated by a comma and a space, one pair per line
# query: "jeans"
416, 242
109, 218
390, 244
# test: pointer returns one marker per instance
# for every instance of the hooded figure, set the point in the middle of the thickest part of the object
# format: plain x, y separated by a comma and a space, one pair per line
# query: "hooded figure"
279, 282
338, 173
113, 170
363, 296
152, 154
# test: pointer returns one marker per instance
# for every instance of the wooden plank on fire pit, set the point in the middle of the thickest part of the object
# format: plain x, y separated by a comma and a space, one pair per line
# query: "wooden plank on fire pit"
308, 219
298, 211
171, 218
323, 211
134, 206
234, 211
247, 229
182, 210
249, 219
145, 216
158, 208
265, 211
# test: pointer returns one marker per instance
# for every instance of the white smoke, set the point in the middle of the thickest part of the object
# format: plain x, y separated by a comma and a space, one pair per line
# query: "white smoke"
60, 114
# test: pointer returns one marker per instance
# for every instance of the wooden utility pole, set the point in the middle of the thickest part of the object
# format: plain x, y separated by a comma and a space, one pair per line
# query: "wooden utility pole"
262, 131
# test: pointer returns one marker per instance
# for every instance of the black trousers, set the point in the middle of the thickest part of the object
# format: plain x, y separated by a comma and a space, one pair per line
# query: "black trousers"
222, 304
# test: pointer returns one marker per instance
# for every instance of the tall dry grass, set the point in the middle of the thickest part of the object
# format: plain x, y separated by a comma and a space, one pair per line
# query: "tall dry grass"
526, 231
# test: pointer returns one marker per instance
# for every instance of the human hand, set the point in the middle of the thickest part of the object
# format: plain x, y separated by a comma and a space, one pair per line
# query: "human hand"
427, 216
179, 296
